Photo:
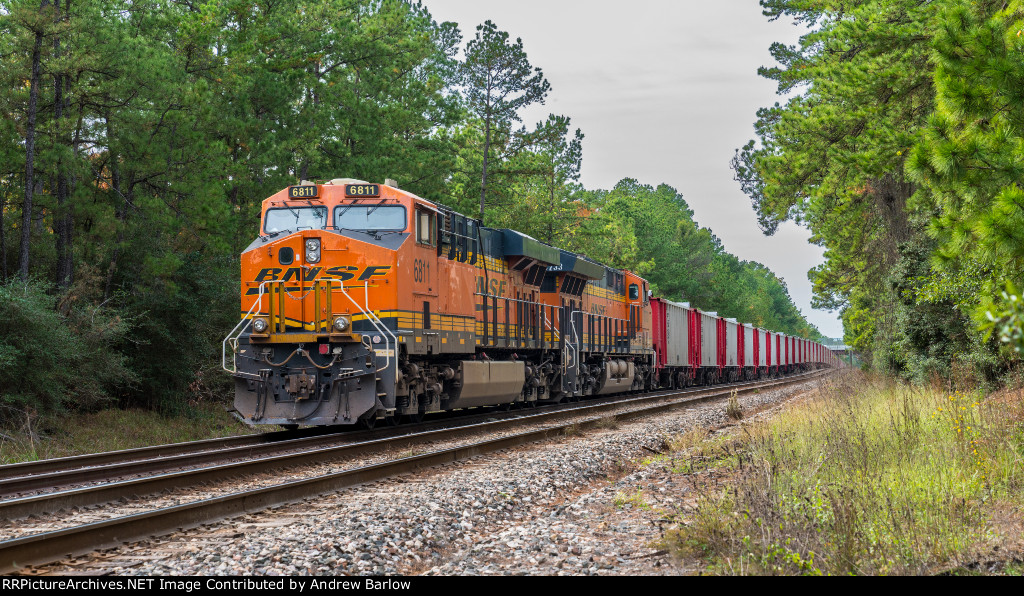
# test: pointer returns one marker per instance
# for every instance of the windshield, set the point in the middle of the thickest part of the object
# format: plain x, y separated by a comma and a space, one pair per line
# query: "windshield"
295, 218
370, 217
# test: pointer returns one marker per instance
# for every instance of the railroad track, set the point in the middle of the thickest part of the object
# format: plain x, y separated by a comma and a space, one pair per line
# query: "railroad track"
24, 480
49, 546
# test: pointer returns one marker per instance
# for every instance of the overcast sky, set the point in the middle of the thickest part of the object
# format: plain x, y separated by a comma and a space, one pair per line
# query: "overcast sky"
664, 91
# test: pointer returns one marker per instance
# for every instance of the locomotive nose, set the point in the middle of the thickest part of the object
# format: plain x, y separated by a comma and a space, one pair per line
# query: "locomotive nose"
322, 281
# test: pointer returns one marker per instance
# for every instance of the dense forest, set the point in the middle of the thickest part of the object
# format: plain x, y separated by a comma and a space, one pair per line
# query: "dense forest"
901, 147
139, 138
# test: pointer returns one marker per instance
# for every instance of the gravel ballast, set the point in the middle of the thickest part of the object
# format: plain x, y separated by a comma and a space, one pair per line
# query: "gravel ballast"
565, 507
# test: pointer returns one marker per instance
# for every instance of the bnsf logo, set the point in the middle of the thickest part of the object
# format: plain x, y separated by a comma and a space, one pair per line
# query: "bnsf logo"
296, 274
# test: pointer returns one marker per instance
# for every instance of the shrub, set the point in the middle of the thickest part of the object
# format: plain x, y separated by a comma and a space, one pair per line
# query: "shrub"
51, 359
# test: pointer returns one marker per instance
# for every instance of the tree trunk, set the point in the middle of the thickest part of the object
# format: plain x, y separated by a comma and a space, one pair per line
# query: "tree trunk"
30, 148
64, 217
3, 239
483, 179
121, 212
62, 223
554, 211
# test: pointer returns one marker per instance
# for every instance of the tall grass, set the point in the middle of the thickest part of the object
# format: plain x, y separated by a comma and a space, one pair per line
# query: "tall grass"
115, 429
870, 477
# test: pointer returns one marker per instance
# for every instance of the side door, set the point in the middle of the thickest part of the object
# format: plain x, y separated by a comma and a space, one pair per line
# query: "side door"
424, 275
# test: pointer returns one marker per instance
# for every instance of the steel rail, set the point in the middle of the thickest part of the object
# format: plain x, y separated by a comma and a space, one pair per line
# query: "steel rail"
18, 479
45, 503
116, 469
53, 546
59, 464
56, 472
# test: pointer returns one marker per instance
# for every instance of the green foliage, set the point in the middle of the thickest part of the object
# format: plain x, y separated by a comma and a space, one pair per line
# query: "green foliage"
1006, 319
968, 157
652, 231
544, 205
57, 353
499, 81
901, 151
117, 429
832, 156
180, 315
182, 119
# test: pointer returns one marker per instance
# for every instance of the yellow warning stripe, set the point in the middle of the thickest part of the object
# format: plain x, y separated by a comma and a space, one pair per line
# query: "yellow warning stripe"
406, 319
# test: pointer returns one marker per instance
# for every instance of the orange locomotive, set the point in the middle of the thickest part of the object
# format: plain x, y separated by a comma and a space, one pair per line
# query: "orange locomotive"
363, 302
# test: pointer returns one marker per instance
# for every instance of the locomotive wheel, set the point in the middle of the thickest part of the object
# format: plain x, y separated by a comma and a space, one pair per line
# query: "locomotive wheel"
391, 420
368, 423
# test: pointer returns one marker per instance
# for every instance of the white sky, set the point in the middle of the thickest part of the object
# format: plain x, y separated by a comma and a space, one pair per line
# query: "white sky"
664, 91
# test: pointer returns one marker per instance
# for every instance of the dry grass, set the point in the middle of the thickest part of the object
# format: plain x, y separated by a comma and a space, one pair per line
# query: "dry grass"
572, 430
733, 408
112, 430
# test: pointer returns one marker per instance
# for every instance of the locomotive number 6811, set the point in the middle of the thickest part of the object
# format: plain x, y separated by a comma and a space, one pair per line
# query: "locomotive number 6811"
362, 302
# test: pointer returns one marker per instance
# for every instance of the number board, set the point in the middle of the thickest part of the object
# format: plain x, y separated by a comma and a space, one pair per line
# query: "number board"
303, 192
362, 190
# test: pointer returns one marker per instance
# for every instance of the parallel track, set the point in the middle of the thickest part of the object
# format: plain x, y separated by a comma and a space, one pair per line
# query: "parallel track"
52, 546
22, 480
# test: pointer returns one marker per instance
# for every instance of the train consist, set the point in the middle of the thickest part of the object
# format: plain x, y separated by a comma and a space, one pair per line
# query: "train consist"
362, 302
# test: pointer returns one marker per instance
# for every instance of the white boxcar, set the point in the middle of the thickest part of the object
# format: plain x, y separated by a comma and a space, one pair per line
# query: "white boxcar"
677, 333
748, 346
731, 342
762, 352
708, 339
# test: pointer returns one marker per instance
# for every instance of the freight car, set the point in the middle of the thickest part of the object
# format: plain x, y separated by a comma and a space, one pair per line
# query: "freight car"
363, 302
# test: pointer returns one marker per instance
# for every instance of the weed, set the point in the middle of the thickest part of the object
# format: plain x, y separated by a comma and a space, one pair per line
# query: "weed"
733, 409
410, 453
630, 499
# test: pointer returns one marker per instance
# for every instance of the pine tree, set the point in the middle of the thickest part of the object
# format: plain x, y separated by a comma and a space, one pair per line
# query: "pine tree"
499, 81
832, 157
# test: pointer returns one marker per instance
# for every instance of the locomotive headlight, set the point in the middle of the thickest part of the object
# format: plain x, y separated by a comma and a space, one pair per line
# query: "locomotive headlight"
259, 325
312, 250
341, 323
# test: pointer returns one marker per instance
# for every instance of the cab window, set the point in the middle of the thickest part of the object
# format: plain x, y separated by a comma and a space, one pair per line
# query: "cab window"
292, 219
425, 233
634, 292
373, 218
